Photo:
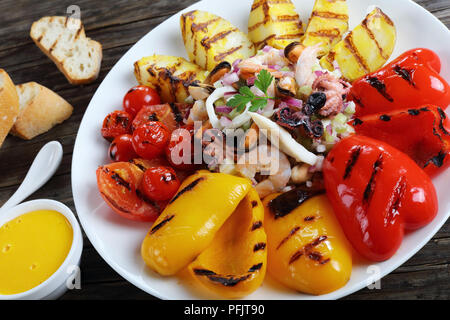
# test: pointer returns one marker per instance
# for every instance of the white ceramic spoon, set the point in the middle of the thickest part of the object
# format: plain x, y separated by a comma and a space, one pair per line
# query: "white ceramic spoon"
42, 169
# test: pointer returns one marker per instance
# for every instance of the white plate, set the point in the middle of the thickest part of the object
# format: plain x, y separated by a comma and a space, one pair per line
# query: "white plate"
118, 240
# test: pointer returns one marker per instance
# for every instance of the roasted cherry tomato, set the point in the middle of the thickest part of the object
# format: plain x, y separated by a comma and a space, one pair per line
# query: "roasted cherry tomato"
115, 124
121, 149
119, 185
181, 141
139, 97
171, 114
160, 183
150, 139
377, 192
410, 81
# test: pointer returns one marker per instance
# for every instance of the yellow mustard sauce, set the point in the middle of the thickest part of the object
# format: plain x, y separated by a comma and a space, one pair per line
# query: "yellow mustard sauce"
32, 247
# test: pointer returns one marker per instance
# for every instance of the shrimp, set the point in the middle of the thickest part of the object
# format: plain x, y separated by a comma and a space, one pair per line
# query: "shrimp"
268, 60
267, 161
304, 74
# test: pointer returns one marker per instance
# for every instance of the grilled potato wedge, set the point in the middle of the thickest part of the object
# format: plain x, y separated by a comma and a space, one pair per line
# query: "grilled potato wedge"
365, 49
274, 23
169, 76
327, 25
210, 39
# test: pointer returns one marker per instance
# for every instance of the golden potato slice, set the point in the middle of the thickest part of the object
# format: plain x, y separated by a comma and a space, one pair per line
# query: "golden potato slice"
169, 76
365, 49
274, 23
327, 25
210, 39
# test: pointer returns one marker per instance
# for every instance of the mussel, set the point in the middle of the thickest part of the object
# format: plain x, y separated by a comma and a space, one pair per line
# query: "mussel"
286, 87
293, 51
200, 91
218, 72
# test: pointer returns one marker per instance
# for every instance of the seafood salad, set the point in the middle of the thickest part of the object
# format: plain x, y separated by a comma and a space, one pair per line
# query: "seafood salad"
281, 150
277, 89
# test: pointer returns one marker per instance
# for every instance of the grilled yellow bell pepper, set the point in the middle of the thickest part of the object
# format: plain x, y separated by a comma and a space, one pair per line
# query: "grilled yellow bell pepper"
307, 250
234, 265
192, 218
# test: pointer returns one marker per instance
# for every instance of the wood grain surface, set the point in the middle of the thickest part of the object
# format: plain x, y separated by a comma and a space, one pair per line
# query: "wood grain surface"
118, 24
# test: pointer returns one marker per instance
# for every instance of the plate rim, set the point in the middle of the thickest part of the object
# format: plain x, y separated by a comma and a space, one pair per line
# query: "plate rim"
150, 290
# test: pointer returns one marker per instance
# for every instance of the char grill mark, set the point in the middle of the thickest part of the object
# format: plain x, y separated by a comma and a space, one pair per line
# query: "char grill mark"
405, 74
380, 87
307, 250
161, 224
256, 225
396, 199
351, 162
259, 246
291, 233
370, 188
288, 201
189, 187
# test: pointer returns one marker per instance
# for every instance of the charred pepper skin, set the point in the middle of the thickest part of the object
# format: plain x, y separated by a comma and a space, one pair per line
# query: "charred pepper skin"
411, 80
190, 221
377, 192
306, 248
427, 140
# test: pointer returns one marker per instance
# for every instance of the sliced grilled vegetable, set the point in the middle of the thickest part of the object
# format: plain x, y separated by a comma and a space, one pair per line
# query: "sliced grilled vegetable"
190, 221
119, 185
365, 49
274, 23
169, 76
412, 80
307, 250
377, 192
234, 265
427, 141
327, 25
210, 39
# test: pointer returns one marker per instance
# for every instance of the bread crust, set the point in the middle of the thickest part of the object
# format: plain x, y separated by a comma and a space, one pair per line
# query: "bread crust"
45, 110
9, 105
60, 64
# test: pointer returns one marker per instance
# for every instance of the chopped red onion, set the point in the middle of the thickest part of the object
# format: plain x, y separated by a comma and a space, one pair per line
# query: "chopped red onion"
294, 102
329, 129
224, 109
319, 73
230, 78
251, 81
267, 49
235, 63
281, 53
274, 67
257, 92
288, 74
224, 121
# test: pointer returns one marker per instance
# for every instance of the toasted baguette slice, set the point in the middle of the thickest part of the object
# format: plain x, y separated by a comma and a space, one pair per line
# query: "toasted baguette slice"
64, 41
9, 105
40, 110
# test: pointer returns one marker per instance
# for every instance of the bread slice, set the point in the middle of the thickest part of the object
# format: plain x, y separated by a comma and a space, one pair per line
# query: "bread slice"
40, 110
64, 41
9, 105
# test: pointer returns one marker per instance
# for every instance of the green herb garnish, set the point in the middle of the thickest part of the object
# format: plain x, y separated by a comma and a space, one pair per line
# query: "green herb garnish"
245, 96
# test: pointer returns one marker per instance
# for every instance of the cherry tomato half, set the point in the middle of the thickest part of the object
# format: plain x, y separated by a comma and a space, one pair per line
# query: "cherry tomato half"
121, 149
139, 97
150, 139
119, 184
181, 141
160, 183
115, 124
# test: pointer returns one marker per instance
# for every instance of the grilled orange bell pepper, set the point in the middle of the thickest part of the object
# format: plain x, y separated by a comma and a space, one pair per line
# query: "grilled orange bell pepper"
190, 221
307, 250
234, 265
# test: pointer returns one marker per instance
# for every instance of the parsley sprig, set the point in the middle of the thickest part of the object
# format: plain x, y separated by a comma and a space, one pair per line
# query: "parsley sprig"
240, 101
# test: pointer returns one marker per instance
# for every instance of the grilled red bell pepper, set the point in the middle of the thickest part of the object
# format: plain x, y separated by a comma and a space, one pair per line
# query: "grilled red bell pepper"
410, 81
377, 192
422, 133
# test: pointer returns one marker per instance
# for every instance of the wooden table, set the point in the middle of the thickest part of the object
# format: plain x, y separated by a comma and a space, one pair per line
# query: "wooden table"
118, 25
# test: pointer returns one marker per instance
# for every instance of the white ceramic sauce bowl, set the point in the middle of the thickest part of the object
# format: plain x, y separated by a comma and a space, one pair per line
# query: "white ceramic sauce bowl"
56, 285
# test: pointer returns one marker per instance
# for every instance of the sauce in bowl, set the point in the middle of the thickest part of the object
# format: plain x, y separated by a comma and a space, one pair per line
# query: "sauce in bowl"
32, 247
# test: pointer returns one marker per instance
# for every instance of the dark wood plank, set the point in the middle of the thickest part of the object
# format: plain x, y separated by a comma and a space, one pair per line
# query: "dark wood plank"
118, 25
